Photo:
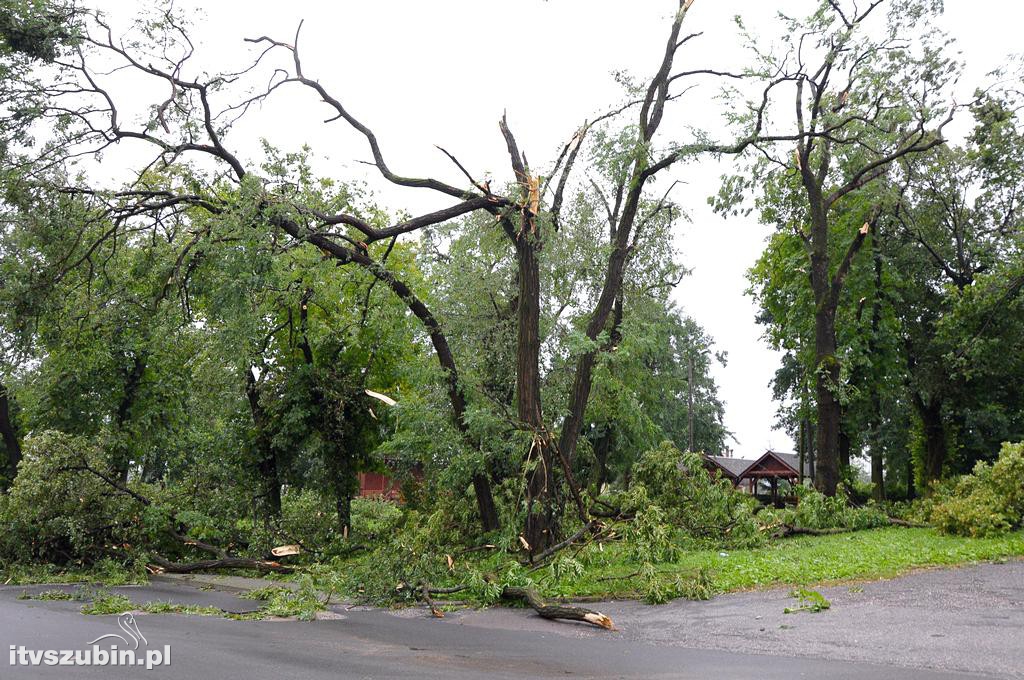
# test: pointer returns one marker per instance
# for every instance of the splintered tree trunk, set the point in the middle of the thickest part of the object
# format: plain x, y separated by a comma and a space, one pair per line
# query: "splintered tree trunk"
540, 530
9, 436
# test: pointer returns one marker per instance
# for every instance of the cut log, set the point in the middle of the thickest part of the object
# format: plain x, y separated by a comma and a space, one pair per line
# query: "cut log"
550, 611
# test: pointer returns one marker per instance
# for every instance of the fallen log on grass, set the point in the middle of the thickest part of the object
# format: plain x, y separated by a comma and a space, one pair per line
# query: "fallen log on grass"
784, 530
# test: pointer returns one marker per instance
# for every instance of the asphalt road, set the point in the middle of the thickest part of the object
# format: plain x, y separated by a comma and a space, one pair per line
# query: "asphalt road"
939, 624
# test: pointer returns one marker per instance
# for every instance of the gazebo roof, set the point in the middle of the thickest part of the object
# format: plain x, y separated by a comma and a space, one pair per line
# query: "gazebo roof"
732, 467
770, 464
774, 464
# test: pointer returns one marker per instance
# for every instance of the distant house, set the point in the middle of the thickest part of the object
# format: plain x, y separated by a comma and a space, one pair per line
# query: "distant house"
758, 476
377, 485
387, 485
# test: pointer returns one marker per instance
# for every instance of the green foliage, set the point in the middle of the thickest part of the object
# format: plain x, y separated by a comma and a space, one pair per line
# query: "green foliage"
54, 595
989, 501
302, 603
707, 509
59, 512
814, 510
104, 602
810, 601
162, 607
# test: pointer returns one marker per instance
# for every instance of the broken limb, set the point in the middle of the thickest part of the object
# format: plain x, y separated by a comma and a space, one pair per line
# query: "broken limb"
550, 611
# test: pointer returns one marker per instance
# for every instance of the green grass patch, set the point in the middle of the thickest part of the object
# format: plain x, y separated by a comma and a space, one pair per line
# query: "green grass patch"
105, 572
161, 607
806, 560
107, 603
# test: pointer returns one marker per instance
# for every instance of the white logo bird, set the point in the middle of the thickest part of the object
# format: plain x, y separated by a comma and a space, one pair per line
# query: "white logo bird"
126, 622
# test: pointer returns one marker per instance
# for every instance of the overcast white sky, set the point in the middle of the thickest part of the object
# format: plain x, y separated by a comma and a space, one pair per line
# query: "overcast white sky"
441, 72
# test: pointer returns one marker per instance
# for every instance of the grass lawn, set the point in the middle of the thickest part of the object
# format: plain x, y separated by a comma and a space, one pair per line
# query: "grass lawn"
803, 560
606, 574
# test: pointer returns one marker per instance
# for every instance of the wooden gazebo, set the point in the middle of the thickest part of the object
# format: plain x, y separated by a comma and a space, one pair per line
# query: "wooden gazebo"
744, 472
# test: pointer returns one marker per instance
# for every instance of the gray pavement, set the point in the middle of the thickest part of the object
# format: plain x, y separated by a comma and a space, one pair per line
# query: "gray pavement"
956, 623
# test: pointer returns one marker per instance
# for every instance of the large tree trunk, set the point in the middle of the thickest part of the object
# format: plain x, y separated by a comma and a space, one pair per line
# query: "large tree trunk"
268, 501
9, 436
935, 445
877, 461
541, 519
827, 459
133, 380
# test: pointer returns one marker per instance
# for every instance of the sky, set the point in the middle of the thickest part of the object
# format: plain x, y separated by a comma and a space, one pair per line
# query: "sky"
443, 72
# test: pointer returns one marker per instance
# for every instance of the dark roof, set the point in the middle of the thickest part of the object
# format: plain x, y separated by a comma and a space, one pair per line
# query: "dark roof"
794, 461
735, 467
788, 459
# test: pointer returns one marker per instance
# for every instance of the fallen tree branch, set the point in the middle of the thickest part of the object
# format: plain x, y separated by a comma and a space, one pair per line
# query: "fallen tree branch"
550, 611
790, 530
425, 594
784, 530
896, 522
564, 544
166, 566
161, 564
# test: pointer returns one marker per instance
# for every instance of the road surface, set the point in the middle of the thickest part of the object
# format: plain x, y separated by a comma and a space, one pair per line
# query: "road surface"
958, 623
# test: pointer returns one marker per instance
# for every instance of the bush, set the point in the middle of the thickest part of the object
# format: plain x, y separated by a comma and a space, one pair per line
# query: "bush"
987, 502
707, 509
814, 510
58, 512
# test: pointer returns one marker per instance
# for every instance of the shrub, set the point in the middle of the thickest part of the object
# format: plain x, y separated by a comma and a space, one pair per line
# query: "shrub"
374, 518
989, 501
707, 509
814, 510
58, 512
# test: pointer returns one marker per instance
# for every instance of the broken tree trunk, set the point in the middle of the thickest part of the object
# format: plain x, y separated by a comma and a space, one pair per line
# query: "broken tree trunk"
551, 611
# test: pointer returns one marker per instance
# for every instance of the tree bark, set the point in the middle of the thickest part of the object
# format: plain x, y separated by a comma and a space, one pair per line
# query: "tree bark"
541, 521
9, 436
267, 472
549, 611
935, 443
877, 460
133, 379
827, 459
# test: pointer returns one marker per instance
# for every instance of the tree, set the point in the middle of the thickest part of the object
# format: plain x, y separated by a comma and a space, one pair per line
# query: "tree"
194, 121
861, 104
